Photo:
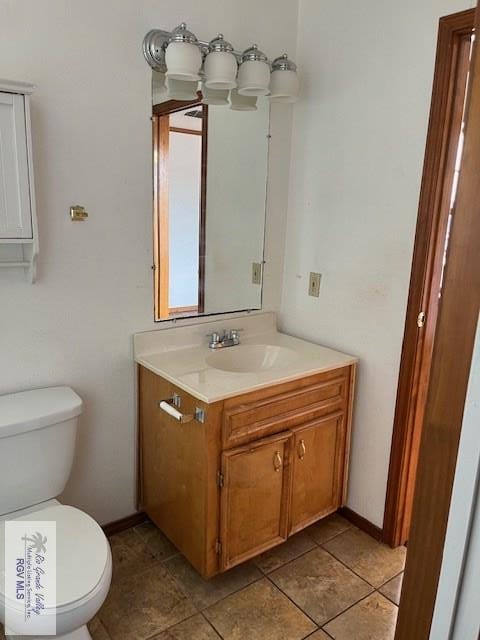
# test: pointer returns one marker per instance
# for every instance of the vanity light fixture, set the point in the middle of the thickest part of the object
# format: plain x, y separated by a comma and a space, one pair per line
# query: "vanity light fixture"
214, 96
242, 103
284, 84
182, 56
220, 66
185, 90
253, 73
186, 60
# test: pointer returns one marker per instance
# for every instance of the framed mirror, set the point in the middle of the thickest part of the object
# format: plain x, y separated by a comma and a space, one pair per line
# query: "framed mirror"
209, 191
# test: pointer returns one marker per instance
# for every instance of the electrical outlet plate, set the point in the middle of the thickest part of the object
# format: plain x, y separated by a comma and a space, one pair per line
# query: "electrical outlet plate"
256, 273
314, 284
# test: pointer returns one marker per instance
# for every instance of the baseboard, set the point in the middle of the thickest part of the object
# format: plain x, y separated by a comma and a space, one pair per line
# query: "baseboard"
137, 518
125, 523
362, 523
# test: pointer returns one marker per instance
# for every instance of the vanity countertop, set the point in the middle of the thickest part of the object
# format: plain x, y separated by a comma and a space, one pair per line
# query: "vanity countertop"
189, 368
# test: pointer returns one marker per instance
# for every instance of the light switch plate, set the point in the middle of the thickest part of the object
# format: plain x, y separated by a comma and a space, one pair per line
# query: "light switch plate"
256, 273
314, 284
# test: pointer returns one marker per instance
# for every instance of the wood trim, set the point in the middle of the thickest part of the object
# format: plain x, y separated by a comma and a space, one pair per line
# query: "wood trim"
361, 522
451, 363
164, 216
348, 433
139, 452
190, 132
123, 524
178, 310
172, 106
161, 135
156, 238
161, 144
444, 127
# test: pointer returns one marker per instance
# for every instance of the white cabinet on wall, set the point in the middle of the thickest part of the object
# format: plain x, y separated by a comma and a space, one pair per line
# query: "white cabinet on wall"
18, 221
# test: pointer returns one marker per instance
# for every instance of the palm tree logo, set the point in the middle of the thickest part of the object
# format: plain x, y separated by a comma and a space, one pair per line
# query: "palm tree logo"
37, 541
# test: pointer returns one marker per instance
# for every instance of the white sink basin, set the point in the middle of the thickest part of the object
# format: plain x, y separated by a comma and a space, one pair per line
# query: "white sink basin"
251, 358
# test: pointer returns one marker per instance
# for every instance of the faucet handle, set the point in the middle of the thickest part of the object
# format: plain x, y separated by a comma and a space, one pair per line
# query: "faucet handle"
215, 337
234, 334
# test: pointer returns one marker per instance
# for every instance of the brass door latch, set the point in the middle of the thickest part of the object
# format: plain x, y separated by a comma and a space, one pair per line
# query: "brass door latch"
78, 213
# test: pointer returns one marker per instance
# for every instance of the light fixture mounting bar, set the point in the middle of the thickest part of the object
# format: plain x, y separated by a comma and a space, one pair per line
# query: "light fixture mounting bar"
156, 41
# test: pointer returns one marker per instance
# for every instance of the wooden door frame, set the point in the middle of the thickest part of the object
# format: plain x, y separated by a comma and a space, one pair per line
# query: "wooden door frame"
160, 208
445, 118
452, 357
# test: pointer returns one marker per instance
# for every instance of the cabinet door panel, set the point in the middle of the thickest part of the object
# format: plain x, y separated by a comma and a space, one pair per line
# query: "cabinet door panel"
15, 215
254, 498
318, 451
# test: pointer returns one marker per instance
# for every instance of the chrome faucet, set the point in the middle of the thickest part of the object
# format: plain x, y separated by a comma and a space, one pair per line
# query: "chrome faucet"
229, 339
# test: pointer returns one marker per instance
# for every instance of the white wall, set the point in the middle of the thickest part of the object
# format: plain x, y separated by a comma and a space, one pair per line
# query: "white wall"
185, 179
92, 137
358, 144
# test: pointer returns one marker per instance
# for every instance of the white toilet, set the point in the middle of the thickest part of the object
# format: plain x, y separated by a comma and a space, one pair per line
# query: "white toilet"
37, 443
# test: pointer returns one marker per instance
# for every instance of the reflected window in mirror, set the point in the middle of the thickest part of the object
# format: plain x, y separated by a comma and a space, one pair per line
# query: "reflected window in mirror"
210, 177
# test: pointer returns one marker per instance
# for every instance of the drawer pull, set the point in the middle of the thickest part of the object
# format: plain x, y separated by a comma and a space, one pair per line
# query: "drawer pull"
277, 461
301, 449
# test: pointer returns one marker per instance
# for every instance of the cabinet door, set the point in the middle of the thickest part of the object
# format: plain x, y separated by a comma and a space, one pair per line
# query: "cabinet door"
317, 461
254, 498
15, 213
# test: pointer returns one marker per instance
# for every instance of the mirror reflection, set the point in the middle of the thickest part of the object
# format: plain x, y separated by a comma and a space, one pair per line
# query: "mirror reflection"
210, 177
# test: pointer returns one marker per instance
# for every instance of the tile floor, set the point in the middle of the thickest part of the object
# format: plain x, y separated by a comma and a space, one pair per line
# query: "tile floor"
330, 581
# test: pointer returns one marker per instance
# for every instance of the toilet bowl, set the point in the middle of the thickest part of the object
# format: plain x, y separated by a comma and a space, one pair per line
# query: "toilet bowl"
39, 428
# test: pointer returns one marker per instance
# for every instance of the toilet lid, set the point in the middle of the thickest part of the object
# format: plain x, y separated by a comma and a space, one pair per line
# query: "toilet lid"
82, 552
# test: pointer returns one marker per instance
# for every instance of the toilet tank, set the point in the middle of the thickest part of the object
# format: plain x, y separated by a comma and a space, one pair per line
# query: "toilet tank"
37, 442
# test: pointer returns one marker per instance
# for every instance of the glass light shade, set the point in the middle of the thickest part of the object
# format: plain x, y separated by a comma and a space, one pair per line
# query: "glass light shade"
242, 103
253, 78
181, 89
214, 96
159, 90
284, 86
183, 60
220, 69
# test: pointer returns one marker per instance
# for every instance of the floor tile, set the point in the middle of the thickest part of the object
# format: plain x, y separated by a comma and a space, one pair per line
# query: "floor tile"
196, 628
259, 612
204, 593
373, 561
320, 585
278, 556
328, 528
156, 541
130, 554
393, 588
371, 619
144, 604
97, 630
318, 635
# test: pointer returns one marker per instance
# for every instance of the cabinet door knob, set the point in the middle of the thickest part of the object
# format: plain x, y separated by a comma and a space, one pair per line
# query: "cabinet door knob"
301, 449
277, 461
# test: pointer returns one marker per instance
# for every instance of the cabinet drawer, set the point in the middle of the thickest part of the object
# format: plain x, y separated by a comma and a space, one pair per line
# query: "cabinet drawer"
258, 415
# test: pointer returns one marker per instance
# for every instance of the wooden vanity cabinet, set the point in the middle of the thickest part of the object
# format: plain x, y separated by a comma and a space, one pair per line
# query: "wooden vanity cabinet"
261, 467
